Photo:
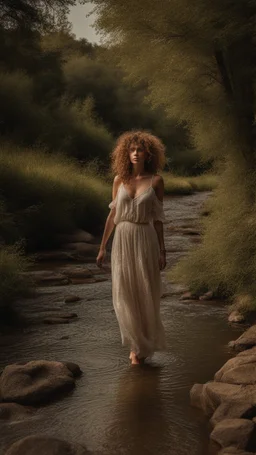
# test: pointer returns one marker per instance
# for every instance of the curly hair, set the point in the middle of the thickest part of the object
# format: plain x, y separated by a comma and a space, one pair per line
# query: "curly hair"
120, 160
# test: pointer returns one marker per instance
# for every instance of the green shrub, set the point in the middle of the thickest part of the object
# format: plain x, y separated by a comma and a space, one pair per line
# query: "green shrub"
49, 194
225, 261
175, 184
13, 283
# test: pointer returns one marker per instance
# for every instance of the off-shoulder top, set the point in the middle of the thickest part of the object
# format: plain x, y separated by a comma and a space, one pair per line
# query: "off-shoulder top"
144, 208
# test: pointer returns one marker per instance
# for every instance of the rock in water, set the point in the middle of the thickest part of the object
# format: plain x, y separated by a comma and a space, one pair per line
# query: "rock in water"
72, 299
238, 370
74, 368
35, 382
246, 340
236, 317
235, 432
233, 409
45, 445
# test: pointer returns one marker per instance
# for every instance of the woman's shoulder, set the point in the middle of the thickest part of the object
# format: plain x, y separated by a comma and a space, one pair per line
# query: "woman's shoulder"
117, 179
158, 180
116, 182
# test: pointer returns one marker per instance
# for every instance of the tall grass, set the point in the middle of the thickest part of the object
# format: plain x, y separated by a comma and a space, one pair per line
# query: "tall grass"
175, 184
225, 261
13, 283
49, 194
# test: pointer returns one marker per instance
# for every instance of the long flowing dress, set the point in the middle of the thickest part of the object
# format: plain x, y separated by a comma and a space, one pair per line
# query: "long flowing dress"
136, 281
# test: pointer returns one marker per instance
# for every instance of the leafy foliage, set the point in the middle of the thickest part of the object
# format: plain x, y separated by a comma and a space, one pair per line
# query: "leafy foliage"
201, 69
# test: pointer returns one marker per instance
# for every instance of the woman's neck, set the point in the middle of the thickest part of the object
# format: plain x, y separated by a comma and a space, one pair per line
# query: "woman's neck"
138, 171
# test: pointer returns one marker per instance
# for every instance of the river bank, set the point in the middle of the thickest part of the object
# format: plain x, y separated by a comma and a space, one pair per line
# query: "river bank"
114, 409
229, 400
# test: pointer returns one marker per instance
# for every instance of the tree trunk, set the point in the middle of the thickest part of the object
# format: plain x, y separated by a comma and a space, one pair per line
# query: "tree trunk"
236, 68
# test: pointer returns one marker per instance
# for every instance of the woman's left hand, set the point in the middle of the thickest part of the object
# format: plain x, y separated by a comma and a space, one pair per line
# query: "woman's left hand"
162, 261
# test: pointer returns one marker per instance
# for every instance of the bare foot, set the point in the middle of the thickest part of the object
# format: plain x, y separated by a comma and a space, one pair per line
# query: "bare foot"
134, 359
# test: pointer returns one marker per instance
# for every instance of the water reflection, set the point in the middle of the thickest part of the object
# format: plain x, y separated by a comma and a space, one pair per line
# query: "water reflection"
115, 408
139, 425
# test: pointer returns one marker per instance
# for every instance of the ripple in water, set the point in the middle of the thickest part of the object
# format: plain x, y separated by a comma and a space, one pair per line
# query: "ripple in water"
115, 408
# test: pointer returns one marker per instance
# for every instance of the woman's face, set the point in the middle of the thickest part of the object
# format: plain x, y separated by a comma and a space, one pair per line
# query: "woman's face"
137, 153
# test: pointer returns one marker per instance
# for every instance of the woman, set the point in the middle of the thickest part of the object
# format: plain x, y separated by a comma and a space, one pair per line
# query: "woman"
138, 251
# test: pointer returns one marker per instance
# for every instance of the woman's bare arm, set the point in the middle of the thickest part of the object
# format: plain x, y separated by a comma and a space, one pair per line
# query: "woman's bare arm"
158, 225
109, 224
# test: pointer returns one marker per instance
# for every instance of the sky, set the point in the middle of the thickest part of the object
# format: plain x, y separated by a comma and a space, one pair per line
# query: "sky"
82, 25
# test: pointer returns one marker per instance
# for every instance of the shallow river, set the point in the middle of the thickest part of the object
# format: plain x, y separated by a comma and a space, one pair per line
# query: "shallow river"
116, 408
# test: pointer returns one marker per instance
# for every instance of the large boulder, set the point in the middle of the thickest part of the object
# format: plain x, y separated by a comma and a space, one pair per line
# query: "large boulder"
250, 352
35, 382
233, 432
246, 340
239, 370
233, 409
195, 395
212, 394
45, 445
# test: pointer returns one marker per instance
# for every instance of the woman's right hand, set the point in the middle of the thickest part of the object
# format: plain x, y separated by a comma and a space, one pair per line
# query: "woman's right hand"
101, 256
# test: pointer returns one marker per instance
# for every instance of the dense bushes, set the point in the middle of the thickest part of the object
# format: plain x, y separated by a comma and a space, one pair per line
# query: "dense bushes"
14, 283
175, 184
225, 262
48, 194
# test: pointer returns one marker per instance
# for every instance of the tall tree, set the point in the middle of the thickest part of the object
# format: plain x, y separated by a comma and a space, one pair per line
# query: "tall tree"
198, 58
28, 13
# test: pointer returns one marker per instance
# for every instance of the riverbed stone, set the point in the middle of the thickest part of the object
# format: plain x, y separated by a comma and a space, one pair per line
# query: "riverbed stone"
76, 272
236, 317
72, 299
213, 393
195, 395
234, 451
77, 236
13, 412
246, 340
207, 296
238, 370
188, 296
45, 445
189, 231
83, 280
47, 277
35, 382
233, 409
233, 432
74, 368
83, 248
